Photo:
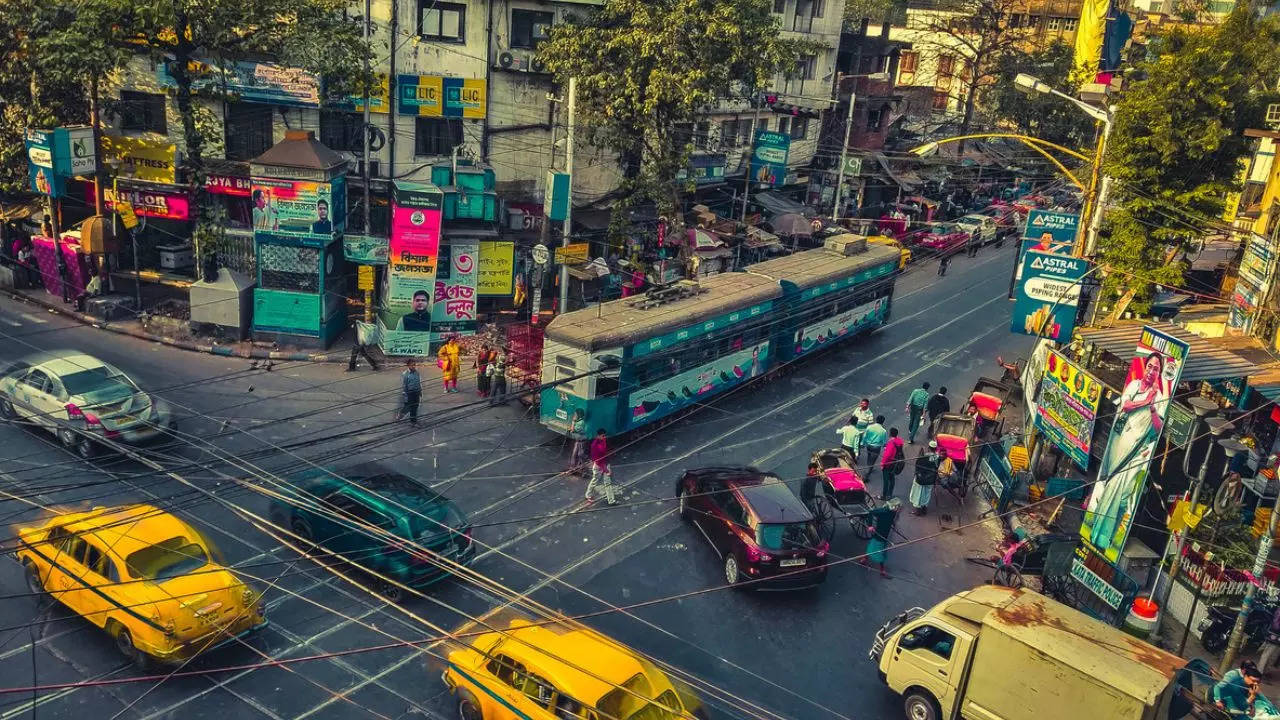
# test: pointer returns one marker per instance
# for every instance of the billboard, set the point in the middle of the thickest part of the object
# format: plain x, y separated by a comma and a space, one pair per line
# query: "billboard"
438, 96
410, 280
1047, 295
496, 276
248, 81
147, 203
41, 176
1141, 408
142, 159
1067, 407
299, 208
769, 157
1048, 226
453, 310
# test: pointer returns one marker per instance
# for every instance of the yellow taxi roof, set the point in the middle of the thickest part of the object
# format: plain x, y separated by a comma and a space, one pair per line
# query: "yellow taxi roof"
558, 655
127, 529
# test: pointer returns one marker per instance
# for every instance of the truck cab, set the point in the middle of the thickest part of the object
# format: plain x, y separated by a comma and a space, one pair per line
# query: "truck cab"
924, 659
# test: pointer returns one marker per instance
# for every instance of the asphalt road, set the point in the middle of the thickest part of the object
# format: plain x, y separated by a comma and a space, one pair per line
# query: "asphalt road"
799, 654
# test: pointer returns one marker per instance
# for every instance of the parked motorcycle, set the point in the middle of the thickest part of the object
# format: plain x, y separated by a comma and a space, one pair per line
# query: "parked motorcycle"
1215, 629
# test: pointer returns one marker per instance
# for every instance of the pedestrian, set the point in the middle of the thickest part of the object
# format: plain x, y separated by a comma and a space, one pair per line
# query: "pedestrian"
809, 486
893, 461
411, 388
449, 358
873, 440
943, 262
601, 473
27, 260
1233, 691
850, 438
882, 520
498, 378
915, 410
937, 406
578, 431
973, 243
1271, 644
484, 356
863, 415
363, 341
926, 476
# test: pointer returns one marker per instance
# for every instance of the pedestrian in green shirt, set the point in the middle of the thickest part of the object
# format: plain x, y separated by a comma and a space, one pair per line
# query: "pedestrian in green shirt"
850, 437
915, 408
873, 440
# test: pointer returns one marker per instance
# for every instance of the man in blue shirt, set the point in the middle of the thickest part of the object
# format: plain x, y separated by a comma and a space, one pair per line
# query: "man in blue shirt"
1234, 693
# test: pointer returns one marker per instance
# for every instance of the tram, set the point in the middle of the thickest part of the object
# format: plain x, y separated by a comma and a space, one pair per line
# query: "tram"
627, 363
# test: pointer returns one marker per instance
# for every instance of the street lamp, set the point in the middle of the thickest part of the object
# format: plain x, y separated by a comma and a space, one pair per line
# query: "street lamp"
1100, 186
848, 127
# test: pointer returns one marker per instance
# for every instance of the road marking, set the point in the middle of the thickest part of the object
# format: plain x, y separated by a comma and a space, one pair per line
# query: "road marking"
34, 319
13, 323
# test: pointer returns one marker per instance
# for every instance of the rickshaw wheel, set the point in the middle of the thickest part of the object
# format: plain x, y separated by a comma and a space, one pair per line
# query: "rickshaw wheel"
824, 517
1008, 577
861, 526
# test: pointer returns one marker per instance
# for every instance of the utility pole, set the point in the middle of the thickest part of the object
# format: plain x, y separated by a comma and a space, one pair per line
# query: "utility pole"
568, 214
365, 129
1259, 567
844, 150
746, 181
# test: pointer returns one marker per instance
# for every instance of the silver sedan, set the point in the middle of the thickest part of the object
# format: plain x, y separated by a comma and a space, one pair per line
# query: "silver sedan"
81, 398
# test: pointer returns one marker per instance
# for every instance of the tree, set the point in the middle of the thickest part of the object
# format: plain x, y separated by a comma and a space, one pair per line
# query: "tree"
645, 69
970, 42
1178, 141
1042, 116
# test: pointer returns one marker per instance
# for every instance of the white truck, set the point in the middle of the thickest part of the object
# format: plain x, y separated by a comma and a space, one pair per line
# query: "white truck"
998, 653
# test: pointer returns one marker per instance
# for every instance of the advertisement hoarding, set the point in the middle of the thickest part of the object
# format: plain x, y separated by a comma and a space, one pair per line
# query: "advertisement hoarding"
142, 159
438, 96
410, 280
252, 82
769, 157
299, 208
1047, 295
453, 310
147, 203
1058, 229
497, 271
41, 175
1151, 381
366, 249
1067, 407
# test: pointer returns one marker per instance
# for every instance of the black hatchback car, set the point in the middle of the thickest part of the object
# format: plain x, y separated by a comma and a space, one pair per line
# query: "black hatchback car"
334, 509
765, 536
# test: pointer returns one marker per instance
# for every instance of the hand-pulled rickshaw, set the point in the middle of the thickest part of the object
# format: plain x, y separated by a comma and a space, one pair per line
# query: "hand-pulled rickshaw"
837, 489
958, 433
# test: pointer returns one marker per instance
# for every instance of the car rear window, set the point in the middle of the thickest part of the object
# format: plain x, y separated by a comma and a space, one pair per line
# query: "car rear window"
786, 536
166, 560
432, 518
96, 380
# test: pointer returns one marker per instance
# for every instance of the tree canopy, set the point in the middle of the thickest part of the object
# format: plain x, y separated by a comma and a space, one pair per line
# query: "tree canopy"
646, 67
1042, 116
1178, 141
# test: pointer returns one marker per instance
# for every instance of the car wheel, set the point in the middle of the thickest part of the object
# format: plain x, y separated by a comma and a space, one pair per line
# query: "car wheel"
34, 586
683, 506
67, 437
920, 705
468, 708
393, 593
732, 574
86, 448
7, 411
124, 644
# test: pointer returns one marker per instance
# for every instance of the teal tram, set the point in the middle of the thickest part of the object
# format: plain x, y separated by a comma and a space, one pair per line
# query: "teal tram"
631, 362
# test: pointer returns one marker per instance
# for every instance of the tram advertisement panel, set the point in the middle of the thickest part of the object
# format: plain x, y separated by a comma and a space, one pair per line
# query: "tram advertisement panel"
685, 388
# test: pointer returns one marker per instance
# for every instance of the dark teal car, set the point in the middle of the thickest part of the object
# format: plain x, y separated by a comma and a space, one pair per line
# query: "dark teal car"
334, 510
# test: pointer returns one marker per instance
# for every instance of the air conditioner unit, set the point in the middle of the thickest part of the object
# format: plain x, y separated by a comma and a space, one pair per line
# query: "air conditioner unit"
516, 60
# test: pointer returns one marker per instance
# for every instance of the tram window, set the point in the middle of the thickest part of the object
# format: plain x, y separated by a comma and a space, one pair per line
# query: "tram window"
566, 361
606, 385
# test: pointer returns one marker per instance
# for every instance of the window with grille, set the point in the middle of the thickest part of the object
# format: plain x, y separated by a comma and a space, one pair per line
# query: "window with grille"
249, 132
808, 67
745, 134
946, 66
1055, 23
529, 28
443, 22
142, 111
940, 100
436, 136
784, 124
342, 130
702, 135
285, 267
1070, 24
799, 128
729, 133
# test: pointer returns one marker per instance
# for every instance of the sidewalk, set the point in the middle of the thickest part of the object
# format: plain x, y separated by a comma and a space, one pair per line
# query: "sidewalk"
134, 327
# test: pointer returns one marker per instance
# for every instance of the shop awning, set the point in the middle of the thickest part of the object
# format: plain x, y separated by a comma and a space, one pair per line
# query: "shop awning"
1266, 382
776, 204
20, 211
1207, 360
757, 238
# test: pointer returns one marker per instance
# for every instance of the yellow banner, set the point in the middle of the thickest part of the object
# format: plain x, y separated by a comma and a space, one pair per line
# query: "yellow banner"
572, 253
1089, 36
497, 268
379, 96
142, 159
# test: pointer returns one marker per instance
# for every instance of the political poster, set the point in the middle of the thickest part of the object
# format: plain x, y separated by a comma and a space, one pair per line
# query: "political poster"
769, 157
497, 269
299, 208
1152, 379
453, 308
1067, 407
409, 283
1047, 295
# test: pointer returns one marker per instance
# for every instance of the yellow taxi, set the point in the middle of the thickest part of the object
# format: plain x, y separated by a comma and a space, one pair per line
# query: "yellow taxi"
144, 576
553, 672
892, 242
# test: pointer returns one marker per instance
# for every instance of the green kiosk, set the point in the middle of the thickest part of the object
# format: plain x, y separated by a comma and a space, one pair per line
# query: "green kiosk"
299, 195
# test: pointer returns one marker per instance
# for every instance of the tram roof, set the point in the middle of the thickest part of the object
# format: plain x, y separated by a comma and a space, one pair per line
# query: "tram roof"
819, 266
618, 323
